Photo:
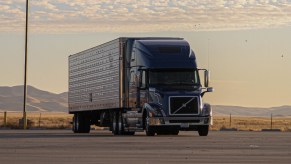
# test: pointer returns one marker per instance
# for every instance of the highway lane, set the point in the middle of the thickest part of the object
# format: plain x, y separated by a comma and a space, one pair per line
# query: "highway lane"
62, 146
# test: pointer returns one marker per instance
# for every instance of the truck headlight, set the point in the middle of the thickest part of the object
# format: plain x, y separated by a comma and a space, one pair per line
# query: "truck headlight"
206, 110
156, 112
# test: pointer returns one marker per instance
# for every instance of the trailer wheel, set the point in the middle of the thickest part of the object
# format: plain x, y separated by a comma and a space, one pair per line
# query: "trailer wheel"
203, 130
81, 124
148, 128
74, 124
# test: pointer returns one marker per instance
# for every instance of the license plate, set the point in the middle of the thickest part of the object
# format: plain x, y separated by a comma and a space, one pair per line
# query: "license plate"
184, 125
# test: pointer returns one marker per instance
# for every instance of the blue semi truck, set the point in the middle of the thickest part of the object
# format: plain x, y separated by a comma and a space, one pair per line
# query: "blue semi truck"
130, 85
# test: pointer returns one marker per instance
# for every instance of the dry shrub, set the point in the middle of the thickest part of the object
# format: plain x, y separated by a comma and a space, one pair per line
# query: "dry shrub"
63, 121
39, 120
251, 123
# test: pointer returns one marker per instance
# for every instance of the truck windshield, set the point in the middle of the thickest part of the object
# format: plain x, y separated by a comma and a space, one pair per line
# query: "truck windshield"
174, 77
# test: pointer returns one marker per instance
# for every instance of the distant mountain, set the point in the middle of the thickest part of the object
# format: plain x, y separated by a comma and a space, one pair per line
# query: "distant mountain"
251, 112
11, 99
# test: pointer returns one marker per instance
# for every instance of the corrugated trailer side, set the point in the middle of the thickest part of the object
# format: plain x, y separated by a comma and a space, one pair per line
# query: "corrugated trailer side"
95, 78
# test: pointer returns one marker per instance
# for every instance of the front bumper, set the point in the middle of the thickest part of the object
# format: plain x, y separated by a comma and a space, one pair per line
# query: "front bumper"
182, 122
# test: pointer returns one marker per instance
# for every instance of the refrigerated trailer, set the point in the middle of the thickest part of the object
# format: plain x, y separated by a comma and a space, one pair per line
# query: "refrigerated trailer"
130, 85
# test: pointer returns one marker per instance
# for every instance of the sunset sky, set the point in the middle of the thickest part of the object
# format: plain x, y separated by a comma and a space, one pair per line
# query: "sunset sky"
245, 43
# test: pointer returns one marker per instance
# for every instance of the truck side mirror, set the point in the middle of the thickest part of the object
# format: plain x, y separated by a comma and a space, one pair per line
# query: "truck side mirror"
210, 89
206, 78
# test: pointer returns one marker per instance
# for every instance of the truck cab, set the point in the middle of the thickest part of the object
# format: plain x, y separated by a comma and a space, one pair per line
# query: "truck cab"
165, 87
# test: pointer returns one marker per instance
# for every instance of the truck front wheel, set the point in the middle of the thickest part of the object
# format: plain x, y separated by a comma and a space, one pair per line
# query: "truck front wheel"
117, 123
203, 130
148, 128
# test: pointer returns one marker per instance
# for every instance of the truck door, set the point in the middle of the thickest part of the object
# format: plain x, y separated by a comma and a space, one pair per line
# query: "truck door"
133, 89
137, 91
142, 89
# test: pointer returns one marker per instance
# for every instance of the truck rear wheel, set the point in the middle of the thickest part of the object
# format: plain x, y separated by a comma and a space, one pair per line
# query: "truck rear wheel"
203, 130
117, 125
114, 123
81, 124
117, 128
148, 128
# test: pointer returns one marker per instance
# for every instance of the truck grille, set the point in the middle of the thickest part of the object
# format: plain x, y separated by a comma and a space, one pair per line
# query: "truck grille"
184, 105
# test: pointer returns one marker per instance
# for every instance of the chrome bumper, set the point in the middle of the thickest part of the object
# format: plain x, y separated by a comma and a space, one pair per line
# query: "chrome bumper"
183, 122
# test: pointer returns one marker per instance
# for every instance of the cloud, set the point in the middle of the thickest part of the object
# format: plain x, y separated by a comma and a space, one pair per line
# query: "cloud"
144, 16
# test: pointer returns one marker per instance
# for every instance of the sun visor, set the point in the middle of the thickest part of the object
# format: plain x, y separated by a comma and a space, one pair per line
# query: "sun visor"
163, 54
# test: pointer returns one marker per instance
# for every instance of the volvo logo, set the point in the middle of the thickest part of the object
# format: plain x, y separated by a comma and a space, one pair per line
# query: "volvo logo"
184, 105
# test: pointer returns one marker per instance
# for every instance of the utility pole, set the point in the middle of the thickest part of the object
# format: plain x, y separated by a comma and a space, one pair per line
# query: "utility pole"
271, 120
230, 120
25, 69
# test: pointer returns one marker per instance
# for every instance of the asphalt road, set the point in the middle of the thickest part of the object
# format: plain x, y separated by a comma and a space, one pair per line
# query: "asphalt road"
62, 146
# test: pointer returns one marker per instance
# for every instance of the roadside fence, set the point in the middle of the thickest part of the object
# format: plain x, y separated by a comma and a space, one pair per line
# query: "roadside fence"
233, 122
36, 120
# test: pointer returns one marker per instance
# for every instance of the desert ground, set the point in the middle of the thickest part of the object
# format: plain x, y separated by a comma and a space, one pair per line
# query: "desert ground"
50, 140
63, 146
63, 121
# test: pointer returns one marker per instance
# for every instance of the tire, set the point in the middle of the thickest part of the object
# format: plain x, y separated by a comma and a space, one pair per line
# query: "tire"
174, 132
148, 128
81, 124
114, 123
117, 123
203, 130
74, 125
128, 133
162, 133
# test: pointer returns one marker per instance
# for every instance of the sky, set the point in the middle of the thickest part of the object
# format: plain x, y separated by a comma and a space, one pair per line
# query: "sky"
244, 43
